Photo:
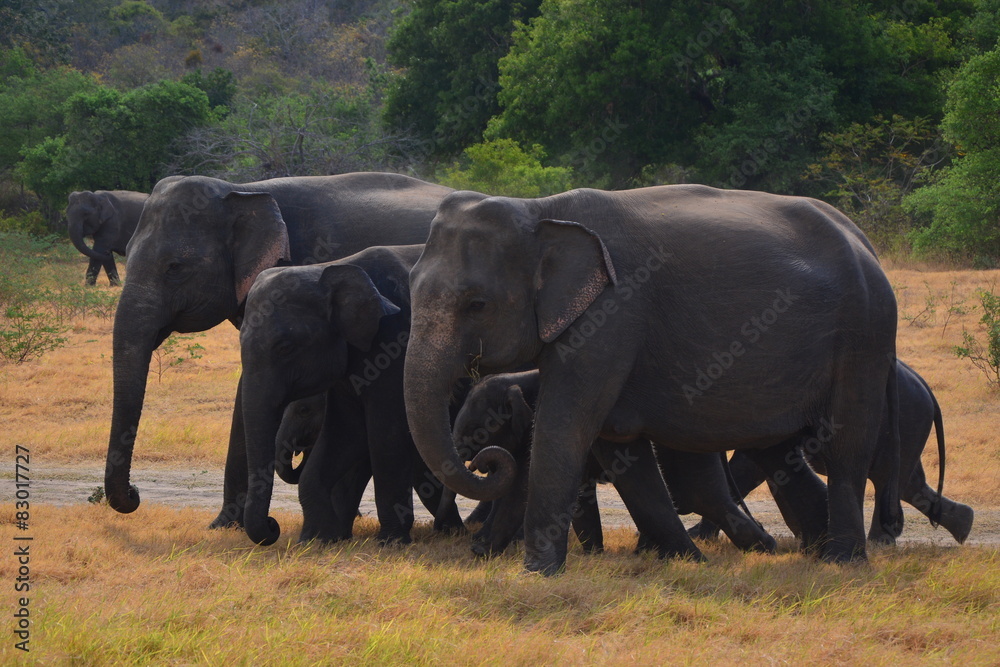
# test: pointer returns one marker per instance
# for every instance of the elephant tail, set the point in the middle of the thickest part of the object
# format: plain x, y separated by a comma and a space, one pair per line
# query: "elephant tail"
935, 515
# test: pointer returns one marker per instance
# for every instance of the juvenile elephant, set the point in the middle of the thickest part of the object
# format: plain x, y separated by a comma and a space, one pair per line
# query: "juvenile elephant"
701, 319
110, 217
918, 412
339, 328
499, 411
198, 247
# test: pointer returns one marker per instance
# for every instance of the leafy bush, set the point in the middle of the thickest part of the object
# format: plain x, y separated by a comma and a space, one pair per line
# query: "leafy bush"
502, 167
985, 356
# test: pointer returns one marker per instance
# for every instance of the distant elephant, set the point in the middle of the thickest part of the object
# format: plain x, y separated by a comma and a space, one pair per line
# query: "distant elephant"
702, 319
341, 328
110, 216
918, 412
499, 411
200, 244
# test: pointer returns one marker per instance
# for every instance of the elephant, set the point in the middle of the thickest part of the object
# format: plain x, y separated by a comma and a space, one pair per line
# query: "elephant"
499, 411
340, 327
701, 319
196, 251
918, 413
110, 216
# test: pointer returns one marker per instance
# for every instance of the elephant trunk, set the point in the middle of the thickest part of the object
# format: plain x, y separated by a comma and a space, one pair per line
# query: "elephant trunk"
135, 336
427, 381
261, 418
76, 236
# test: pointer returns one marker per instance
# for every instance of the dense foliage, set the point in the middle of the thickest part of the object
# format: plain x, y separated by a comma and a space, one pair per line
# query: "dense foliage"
885, 108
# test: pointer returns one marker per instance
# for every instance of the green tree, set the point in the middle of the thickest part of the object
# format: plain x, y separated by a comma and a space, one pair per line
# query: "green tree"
114, 140
32, 102
450, 52
502, 167
960, 210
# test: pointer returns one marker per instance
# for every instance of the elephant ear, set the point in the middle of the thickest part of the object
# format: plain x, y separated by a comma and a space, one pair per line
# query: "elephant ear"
356, 306
521, 414
110, 218
574, 267
259, 238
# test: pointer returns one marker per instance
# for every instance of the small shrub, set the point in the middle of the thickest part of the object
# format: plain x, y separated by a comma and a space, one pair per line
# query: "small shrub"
985, 356
168, 354
28, 332
502, 167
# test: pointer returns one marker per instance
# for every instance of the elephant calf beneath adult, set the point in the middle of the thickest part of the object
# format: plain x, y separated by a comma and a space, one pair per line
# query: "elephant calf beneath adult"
621, 299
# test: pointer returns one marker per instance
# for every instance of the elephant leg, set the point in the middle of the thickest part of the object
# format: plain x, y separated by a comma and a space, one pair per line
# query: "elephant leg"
957, 518
335, 477
748, 476
587, 518
797, 490
112, 270
635, 473
506, 519
480, 512
393, 459
234, 484
698, 482
93, 268
430, 490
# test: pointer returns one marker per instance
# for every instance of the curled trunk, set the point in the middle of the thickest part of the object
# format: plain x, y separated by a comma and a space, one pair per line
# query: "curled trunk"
427, 385
76, 235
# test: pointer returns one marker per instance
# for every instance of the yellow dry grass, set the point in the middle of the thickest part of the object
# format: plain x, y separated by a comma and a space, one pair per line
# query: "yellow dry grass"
113, 589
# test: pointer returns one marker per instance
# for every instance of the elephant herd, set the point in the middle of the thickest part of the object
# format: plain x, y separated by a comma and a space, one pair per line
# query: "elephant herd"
520, 351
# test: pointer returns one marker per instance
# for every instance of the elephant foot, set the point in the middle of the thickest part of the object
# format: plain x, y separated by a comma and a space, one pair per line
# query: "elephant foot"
114, 281
957, 519
480, 513
844, 552
592, 547
547, 567
227, 518
392, 539
449, 527
704, 530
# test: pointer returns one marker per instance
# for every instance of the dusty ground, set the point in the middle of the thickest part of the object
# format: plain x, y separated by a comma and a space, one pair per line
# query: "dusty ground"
182, 487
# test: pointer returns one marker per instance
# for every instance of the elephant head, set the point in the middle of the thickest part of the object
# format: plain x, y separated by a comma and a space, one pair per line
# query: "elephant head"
314, 314
198, 247
496, 413
92, 214
498, 279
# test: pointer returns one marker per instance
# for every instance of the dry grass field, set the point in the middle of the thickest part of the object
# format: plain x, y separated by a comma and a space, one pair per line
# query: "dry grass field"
156, 587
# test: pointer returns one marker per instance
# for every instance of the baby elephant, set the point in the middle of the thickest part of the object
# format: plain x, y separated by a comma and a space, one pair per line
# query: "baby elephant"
919, 411
340, 330
499, 411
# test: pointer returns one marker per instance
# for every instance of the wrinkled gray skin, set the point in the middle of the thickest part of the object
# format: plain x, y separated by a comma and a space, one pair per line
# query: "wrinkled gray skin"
700, 319
341, 328
110, 217
499, 411
918, 412
198, 247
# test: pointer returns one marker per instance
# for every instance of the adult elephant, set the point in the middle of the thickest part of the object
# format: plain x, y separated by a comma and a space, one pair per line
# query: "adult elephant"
918, 413
199, 246
110, 217
701, 319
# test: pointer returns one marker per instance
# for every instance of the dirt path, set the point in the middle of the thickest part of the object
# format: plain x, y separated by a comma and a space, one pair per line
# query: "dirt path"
177, 487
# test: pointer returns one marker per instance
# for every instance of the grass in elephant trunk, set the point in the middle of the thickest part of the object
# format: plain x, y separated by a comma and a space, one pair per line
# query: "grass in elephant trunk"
108, 589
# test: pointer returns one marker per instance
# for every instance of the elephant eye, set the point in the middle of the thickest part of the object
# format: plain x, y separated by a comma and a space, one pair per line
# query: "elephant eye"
476, 305
284, 347
174, 268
